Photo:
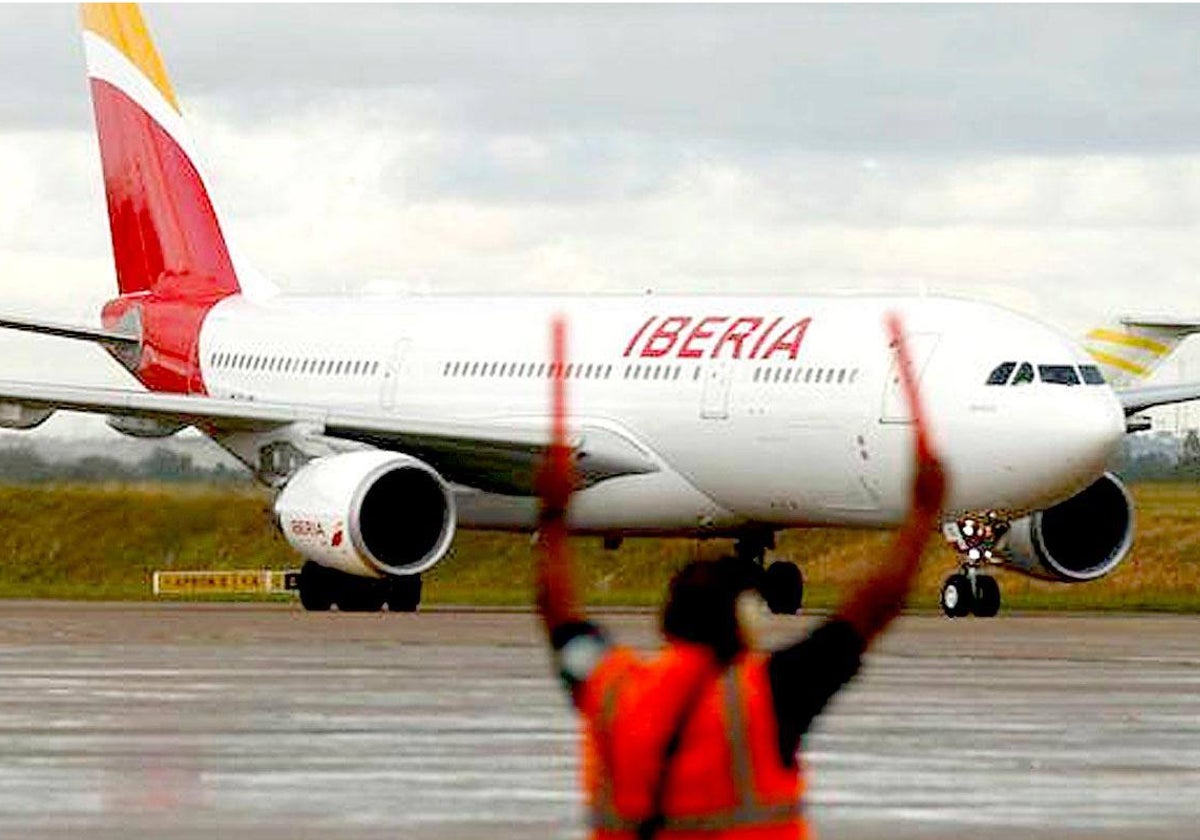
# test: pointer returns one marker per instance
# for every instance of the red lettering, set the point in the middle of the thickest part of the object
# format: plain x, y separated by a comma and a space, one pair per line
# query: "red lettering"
763, 337
307, 528
637, 335
790, 339
698, 333
735, 334
663, 339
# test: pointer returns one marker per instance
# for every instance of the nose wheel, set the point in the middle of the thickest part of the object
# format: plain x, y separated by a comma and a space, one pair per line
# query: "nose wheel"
970, 591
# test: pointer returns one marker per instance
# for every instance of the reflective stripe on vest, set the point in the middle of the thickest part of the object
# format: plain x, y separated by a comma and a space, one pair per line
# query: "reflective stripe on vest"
748, 810
608, 710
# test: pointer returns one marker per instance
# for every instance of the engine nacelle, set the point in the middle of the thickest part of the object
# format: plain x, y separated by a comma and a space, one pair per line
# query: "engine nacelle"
1081, 539
368, 513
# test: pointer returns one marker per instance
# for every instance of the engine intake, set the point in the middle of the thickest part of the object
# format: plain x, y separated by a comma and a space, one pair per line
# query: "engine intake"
368, 513
1081, 539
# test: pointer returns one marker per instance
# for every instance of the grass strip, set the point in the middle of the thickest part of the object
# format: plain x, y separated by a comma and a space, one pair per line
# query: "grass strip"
103, 542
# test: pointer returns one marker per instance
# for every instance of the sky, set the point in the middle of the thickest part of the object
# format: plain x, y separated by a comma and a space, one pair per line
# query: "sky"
1046, 158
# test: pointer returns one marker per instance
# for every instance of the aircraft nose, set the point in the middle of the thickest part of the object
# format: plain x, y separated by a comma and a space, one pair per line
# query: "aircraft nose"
1093, 434
1042, 456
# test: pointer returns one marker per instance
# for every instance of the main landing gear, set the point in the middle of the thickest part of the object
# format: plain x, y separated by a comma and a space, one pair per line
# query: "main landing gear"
322, 588
780, 584
970, 590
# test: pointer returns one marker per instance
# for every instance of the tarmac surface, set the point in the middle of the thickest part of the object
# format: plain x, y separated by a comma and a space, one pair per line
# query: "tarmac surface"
262, 721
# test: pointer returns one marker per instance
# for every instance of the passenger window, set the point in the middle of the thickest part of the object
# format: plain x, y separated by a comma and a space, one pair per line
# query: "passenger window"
1024, 374
1058, 374
1091, 374
1000, 375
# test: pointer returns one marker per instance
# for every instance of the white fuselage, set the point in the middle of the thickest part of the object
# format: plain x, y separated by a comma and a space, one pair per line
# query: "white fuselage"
773, 411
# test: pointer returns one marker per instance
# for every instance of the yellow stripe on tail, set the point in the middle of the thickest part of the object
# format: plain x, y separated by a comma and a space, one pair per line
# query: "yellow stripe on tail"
121, 24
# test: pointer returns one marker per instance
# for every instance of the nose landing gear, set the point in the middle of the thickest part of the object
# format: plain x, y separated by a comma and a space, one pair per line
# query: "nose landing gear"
970, 590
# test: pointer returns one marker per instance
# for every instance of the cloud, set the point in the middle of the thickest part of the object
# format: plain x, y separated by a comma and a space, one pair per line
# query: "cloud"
1045, 158
849, 78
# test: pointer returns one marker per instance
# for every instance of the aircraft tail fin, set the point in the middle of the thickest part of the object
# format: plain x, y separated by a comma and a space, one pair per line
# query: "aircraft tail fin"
1131, 352
161, 216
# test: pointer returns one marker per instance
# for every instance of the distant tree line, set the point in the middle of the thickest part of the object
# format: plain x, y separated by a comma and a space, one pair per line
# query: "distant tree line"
1168, 460
1178, 463
23, 464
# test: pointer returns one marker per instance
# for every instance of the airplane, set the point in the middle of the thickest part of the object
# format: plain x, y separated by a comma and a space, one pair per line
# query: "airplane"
385, 424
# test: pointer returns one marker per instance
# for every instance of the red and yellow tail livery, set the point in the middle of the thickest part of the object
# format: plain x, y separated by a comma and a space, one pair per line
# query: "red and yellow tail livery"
172, 258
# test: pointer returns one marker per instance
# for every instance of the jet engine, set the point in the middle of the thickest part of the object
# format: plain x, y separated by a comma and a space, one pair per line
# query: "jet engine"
1081, 539
371, 513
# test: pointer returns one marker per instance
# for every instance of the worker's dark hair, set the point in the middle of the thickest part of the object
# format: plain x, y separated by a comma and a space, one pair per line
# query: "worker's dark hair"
701, 605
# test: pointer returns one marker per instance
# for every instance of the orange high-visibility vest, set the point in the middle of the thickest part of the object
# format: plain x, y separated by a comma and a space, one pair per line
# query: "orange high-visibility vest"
727, 778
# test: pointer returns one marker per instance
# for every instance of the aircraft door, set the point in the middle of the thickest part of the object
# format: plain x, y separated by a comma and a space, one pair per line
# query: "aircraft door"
714, 400
921, 347
391, 374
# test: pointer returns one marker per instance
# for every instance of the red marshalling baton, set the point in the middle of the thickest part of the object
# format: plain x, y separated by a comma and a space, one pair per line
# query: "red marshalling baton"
556, 479
908, 379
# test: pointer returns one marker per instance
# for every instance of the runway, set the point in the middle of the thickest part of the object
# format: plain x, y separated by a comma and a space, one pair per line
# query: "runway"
262, 721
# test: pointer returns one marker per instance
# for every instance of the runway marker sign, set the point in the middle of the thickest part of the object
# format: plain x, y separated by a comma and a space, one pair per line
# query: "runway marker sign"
241, 581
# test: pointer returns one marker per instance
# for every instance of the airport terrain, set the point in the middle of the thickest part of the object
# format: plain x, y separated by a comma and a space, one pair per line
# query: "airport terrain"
264, 721
102, 542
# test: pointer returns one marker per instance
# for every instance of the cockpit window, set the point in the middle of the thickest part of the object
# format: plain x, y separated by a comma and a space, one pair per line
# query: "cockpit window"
1024, 374
1091, 374
1000, 375
1058, 374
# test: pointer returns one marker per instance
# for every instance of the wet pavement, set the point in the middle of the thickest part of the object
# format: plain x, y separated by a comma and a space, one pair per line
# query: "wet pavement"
263, 721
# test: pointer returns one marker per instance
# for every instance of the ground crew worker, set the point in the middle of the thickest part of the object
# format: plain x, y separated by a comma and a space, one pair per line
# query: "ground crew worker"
702, 740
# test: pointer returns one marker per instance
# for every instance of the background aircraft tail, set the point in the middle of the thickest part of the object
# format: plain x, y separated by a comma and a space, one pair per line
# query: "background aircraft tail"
1129, 353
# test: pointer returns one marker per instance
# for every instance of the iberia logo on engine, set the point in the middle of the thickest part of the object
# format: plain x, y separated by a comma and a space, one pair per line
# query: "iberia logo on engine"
310, 528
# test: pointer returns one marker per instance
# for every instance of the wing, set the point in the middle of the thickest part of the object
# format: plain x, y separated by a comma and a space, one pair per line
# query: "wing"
500, 457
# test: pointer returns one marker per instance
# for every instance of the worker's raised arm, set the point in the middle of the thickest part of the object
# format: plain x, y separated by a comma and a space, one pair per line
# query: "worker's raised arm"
872, 604
554, 576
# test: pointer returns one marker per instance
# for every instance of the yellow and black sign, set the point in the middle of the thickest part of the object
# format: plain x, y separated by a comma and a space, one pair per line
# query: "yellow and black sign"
242, 581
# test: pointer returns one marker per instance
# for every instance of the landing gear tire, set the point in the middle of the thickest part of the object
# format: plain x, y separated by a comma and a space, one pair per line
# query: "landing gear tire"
361, 594
782, 587
987, 596
957, 596
316, 587
404, 593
